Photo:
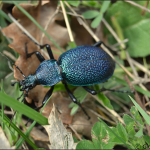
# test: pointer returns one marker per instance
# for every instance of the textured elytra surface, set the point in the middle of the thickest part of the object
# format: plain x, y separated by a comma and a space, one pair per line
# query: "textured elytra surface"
86, 65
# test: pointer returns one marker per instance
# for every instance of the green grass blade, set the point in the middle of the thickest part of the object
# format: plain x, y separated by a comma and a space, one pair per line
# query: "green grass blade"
20, 107
6, 120
143, 113
3, 14
2, 105
21, 140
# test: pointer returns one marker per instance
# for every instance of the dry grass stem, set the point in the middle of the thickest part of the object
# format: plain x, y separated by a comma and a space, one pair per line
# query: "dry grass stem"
111, 111
67, 22
10, 74
140, 80
8, 54
131, 64
49, 21
71, 127
120, 104
8, 112
113, 33
84, 24
137, 5
140, 66
72, 14
106, 112
119, 43
113, 123
25, 31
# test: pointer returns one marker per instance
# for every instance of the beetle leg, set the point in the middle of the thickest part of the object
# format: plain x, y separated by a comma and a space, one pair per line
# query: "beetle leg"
93, 92
48, 50
38, 54
42, 46
98, 44
70, 94
48, 94
12, 84
20, 96
74, 99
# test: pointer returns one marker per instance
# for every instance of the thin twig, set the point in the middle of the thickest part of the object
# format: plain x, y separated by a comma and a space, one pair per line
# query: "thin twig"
119, 103
137, 5
136, 74
113, 32
25, 31
146, 5
140, 66
119, 43
110, 110
48, 22
140, 80
8, 75
131, 64
75, 132
72, 14
101, 116
8, 112
10, 67
106, 112
148, 103
83, 23
21, 27
8, 54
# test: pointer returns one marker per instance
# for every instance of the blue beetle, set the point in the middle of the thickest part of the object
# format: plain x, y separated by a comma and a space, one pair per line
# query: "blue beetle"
81, 66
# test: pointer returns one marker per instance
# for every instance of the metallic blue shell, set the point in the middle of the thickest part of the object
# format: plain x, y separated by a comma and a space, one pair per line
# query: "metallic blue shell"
86, 65
48, 73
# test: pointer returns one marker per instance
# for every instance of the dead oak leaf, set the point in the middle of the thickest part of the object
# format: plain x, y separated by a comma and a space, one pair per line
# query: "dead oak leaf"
42, 14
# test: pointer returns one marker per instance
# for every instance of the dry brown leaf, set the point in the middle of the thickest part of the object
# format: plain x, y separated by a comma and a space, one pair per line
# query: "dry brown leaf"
28, 66
58, 135
82, 36
80, 122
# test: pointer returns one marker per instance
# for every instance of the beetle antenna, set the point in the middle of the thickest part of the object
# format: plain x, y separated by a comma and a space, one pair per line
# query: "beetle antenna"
12, 118
13, 64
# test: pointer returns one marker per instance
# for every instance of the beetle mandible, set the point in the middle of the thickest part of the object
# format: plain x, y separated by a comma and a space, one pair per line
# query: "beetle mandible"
81, 66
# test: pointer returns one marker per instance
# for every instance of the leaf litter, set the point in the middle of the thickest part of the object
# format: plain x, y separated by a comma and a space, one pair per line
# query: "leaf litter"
59, 137
42, 13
